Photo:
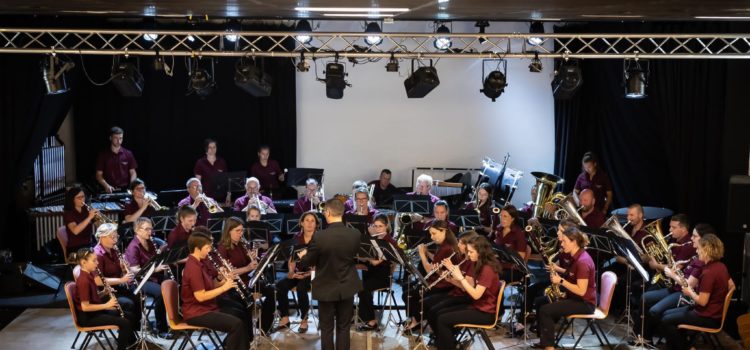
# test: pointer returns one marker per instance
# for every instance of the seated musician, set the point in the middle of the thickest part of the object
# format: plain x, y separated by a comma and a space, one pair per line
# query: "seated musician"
362, 204
310, 200
199, 293
207, 167
440, 212
635, 230
708, 297
423, 186
298, 275
253, 198
140, 250
444, 237
115, 166
509, 234
382, 195
659, 300
234, 248
186, 219
77, 219
482, 290
349, 204
195, 200
591, 214
594, 178
376, 276
91, 311
139, 206
483, 206
118, 275
253, 214
579, 285
528, 207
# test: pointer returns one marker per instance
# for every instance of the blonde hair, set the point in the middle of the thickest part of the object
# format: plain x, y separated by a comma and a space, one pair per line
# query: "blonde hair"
712, 247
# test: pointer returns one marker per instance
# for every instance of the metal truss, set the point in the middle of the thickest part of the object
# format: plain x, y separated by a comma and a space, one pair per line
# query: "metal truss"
352, 45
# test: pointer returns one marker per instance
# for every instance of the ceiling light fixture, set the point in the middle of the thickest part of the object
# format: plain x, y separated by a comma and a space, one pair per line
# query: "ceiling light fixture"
635, 74
53, 73
567, 80
442, 42
482, 25
536, 64
366, 15
351, 9
373, 32
494, 84
392, 65
303, 27
536, 27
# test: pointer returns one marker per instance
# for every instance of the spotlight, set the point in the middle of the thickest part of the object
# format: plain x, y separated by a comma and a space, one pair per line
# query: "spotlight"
53, 73
201, 82
127, 79
335, 82
482, 25
392, 65
150, 36
635, 76
252, 79
536, 64
494, 83
442, 42
232, 27
421, 81
303, 26
373, 31
568, 79
302, 65
536, 28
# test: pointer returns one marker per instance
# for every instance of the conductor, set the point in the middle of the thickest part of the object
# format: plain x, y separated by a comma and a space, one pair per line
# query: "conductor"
332, 252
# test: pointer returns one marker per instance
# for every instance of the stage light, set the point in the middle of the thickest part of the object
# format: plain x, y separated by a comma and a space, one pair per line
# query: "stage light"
233, 27
53, 73
303, 65
202, 83
373, 31
251, 78
127, 79
482, 25
335, 80
635, 76
536, 64
421, 81
442, 42
536, 28
303, 26
568, 79
392, 65
150, 36
494, 83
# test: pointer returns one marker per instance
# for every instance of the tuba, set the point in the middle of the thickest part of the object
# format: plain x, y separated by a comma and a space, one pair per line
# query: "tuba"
545, 187
569, 210
613, 224
655, 245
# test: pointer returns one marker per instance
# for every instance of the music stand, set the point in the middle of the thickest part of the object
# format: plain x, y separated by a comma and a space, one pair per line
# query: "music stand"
229, 182
258, 230
299, 176
402, 260
165, 220
357, 222
275, 221
419, 204
266, 261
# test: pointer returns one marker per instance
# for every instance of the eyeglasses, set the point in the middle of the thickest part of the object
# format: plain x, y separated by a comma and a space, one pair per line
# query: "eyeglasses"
148, 229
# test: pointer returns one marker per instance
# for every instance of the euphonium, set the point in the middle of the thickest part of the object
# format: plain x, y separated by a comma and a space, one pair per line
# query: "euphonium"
658, 249
548, 251
613, 224
545, 184
569, 210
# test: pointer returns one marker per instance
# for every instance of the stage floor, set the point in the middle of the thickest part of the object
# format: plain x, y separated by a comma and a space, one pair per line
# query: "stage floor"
51, 329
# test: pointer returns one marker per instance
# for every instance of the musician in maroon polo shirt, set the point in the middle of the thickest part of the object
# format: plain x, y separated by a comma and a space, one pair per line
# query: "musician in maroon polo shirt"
440, 212
254, 198
595, 179
377, 274
77, 219
362, 205
139, 206
579, 283
423, 186
114, 271
91, 311
310, 200
207, 167
349, 204
592, 216
509, 234
268, 171
483, 206
186, 219
194, 200
115, 166
199, 293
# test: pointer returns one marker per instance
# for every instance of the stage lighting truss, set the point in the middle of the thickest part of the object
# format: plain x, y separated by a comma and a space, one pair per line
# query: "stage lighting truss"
352, 45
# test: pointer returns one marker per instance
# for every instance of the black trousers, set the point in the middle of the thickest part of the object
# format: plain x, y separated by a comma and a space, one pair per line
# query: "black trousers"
153, 290
550, 313
454, 315
227, 320
412, 299
129, 301
283, 287
127, 326
437, 304
338, 315
676, 339
268, 305
370, 283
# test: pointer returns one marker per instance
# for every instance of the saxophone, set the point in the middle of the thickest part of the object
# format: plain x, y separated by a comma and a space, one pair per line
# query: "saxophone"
548, 251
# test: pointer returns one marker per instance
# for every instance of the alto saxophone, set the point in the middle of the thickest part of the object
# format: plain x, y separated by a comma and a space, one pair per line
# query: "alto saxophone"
553, 292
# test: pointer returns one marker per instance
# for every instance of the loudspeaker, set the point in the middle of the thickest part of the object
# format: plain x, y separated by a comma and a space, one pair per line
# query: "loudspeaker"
568, 79
41, 276
738, 209
11, 280
421, 82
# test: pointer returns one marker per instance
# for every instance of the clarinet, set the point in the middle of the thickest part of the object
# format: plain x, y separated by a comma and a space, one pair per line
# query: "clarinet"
110, 291
124, 264
169, 268
240, 288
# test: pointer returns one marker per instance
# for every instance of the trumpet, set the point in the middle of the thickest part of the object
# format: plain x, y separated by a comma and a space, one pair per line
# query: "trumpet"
444, 275
100, 218
211, 204
151, 198
321, 205
110, 291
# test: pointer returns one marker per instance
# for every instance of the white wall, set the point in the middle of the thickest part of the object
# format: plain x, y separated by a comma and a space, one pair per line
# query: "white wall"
376, 126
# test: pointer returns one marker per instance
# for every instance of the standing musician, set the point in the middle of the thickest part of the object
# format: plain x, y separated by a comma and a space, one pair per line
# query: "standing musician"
362, 204
298, 275
195, 200
483, 206
579, 284
349, 204
384, 190
310, 200
423, 186
332, 252
267, 170
140, 250
253, 198
591, 214
139, 206
186, 219
117, 274
713, 286
376, 276
236, 250
199, 292
115, 166
442, 235
207, 167
77, 219
595, 179
483, 291
91, 311
509, 234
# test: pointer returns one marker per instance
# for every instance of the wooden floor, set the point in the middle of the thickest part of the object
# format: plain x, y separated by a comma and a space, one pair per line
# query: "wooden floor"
51, 329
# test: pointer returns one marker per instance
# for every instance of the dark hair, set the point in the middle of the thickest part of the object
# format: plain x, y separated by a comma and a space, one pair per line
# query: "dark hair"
203, 230
310, 213
70, 197
589, 157
636, 206
209, 141
137, 182
184, 211
565, 223
574, 234
682, 219
386, 171
83, 254
264, 146
335, 207
485, 255
487, 187
197, 240
116, 130
450, 236
384, 219
230, 224
513, 212
442, 203
704, 229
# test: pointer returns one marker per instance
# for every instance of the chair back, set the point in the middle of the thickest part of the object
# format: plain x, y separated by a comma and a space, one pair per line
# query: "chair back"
499, 302
727, 301
76, 271
169, 294
62, 237
70, 291
743, 325
607, 291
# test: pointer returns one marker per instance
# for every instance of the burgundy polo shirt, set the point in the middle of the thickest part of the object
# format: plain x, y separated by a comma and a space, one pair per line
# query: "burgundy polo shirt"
564, 260
444, 251
195, 278
237, 256
490, 280
202, 210
693, 268
132, 207
86, 290
267, 175
109, 262
583, 268
467, 269
208, 172
515, 239
241, 202
486, 217
684, 251
370, 214
595, 219
302, 205
176, 236
83, 238
638, 236
115, 167
599, 184
433, 198
138, 255
714, 280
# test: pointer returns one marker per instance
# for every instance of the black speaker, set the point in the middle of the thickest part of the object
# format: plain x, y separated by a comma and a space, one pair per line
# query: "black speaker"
568, 79
41, 276
738, 210
421, 81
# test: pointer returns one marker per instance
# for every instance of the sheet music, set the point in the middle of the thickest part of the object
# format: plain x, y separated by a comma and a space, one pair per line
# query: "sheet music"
374, 243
